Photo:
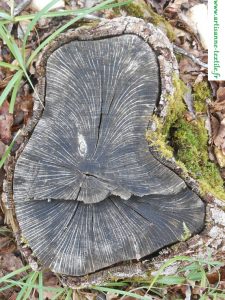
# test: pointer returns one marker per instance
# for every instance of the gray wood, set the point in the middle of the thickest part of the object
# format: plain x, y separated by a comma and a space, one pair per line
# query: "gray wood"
76, 238
88, 192
90, 141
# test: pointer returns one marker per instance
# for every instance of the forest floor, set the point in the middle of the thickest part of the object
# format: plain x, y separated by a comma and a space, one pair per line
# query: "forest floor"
194, 134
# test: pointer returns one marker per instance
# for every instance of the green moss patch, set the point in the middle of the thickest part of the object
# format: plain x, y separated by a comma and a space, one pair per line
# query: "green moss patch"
176, 107
187, 141
133, 10
201, 93
139, 9
190, 143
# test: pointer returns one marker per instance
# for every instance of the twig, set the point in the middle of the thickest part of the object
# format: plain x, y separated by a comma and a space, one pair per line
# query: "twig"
195, 59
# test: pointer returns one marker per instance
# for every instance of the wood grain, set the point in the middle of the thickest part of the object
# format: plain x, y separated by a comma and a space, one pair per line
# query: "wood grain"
88, 192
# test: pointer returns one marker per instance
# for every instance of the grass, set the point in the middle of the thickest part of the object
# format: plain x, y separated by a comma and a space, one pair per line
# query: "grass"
191, 272
8, 150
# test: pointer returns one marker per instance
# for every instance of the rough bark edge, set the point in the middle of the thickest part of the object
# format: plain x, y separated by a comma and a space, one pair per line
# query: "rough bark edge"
168, 66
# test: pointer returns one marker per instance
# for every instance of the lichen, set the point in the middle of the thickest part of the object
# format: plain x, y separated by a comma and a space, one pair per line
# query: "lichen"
201, 93
187, 141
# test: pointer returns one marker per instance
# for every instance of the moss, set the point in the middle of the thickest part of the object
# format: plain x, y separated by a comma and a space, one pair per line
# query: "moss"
187, 141
144, 11
201, 93
133, 10
160, 21
158, 140
186, 233
176, 107
190, 141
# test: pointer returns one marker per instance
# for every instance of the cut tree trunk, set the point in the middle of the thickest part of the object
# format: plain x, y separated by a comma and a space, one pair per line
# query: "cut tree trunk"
85, 190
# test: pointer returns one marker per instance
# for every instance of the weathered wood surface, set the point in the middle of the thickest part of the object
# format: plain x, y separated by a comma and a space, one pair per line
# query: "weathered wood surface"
90, 142
88, 192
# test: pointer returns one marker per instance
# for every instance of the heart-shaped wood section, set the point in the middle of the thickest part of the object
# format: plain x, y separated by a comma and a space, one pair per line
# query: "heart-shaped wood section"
87, 190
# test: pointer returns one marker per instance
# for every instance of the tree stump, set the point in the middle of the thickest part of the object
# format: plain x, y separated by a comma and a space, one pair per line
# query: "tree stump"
88, 192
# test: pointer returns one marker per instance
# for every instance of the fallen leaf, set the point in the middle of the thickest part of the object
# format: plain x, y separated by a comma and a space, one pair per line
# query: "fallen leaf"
220, 157
216, 276
159, 5
221, 94
215, 125
6, 121
219, 140
9, 263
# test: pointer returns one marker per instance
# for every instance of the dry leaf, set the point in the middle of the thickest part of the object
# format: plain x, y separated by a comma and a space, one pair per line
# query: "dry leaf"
220, 157
221, 94
6, 121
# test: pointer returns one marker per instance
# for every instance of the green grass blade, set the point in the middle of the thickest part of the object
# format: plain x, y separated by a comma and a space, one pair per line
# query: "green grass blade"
34, 22
17, 53
26, 290
69, 294
20, 283
65, 26
61, 13
6, 36
13, 283
31, 84
167, 264
2, 161
20, 296
5, 16
120, 292
6, 287
8, 66
14, 94
171, 280
40, 286
21, 270
10, 85
60, 293
31, 286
